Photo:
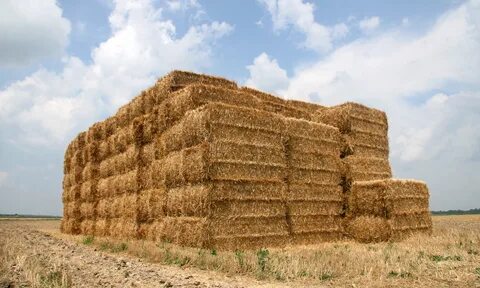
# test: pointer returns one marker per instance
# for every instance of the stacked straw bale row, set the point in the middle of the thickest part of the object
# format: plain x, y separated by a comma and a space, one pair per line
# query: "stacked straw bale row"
376, 207
197, 161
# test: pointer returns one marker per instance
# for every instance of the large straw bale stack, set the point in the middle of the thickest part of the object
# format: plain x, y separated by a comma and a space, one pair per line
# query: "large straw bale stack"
197, 161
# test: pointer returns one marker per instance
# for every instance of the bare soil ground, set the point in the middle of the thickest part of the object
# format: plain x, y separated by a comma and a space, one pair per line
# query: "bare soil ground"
31, 257
35, 254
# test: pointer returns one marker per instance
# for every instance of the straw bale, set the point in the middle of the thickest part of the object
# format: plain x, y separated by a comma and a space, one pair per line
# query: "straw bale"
143, 231
412, 221
87, 210
107, 167
154, 176
246, 171
365, 128
88, 190
123, 116
90, 172
91, 153
116, 207
153, 230
124, 138
104, 188
71, 226
350, 116
308, 129
102, 227
239, 134
102, 209
150, 128
79, 141
308, 107
129, 206
126, 183
247, 208
388, 197
262, 95
315, 223
87, 227
314, 161
368, 229
196, 95
176, 80
246, 242
78, 159
367, 198
72, 193
151, 204
126, 161
315, 175
325, 208
115, 228
190, 131
106, 148
354, 146
128, 228
238, 151
365, 169
95, 132
109, 127
184, 231
230, 190
72, 210
248, 225
326, 192
68, 179
147, 154
188, 201
278, 105
284, 109
137, 107
245, 117
118, 184
188, 165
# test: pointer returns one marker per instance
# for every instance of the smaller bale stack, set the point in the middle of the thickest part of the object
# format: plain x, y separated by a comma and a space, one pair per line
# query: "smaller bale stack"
400, 205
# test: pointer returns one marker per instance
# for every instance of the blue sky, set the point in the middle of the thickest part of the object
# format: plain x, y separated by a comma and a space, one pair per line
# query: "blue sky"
67, 64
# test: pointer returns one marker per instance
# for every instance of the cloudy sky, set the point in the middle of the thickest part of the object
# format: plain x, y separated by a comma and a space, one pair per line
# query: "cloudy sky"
67, 64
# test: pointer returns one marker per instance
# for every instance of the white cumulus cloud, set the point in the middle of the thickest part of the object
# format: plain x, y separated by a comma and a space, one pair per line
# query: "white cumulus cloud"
31, 31
367, 25
49, 107
300, 16
266, 74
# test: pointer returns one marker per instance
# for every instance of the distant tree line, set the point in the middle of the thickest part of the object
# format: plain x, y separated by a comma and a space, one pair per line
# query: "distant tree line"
27, 216
457, 212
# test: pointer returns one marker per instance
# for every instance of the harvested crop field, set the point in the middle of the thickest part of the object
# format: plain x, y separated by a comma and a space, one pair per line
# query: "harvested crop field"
35, 253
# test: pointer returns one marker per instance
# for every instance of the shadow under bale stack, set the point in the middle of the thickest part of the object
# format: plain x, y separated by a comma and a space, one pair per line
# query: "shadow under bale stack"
197, 161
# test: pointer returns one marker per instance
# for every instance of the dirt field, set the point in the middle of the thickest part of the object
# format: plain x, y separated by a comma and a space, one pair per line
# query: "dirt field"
35, 254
